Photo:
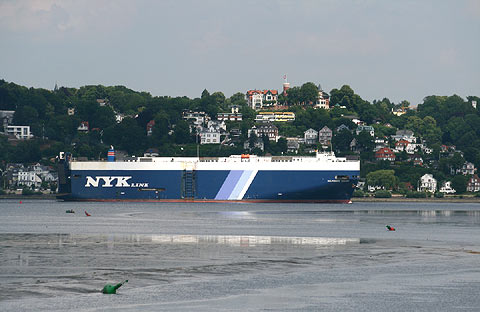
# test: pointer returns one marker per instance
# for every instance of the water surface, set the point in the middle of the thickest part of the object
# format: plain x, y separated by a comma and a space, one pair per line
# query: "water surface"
239, 257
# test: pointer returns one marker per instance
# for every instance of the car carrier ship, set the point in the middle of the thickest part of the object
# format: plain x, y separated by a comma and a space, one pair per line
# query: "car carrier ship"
237, 178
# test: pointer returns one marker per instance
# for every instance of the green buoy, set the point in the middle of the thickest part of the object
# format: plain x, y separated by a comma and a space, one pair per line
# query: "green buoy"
112, 289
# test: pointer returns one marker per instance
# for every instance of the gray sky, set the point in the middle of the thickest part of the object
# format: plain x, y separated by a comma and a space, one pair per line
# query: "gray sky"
403, 50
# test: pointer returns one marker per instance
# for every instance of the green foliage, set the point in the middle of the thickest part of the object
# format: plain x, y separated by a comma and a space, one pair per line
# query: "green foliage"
439, 195
459, 183
27, 191
182, 133
347, 97
385, 178
309, 92
365, 141
127, 135
341, 141
413, 194
358, 193
383, 194
306, 94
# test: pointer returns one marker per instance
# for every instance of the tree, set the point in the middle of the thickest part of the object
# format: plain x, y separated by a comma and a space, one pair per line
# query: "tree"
252, 140
205, 94
365, 141
337, 96
456, 162
182, 133
26, 115
282, 146
161, 128
308, 93
383, 178
238, 99
341, 141
294, 96
459, 183
127, 135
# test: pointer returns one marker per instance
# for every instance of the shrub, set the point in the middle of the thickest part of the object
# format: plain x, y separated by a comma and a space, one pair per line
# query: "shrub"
413, 194
439, 195
358, 193
383, 194
27, 191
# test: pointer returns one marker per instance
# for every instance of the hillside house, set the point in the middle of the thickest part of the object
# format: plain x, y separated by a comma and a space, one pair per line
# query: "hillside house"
19, 132
259, 99
401, 145
32, 176
209, 136
416, 159
368, 129
341, 128
293, 144
406, 135
323, 99
310, 136
257, 144
385, 153
380, 143
467, 169
325, 136
29, 178
427, 183
197, 118
83, 127
354, 145
275, 117
447, 188
150, 126
229, 116
234, 115
268, 130
473, 184
6, 119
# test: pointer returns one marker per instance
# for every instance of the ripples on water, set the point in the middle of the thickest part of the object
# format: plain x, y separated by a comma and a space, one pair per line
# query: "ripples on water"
239, 257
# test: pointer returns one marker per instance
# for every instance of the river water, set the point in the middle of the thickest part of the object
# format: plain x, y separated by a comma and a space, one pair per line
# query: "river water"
239, 257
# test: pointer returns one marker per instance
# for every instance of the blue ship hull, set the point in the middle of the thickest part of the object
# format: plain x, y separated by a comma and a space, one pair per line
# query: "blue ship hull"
211, 185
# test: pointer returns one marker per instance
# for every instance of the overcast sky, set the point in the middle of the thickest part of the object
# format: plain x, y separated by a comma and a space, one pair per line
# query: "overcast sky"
403, 50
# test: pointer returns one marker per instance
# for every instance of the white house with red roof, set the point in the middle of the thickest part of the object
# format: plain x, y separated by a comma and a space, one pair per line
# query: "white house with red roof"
258, 99
401, 145
385, 154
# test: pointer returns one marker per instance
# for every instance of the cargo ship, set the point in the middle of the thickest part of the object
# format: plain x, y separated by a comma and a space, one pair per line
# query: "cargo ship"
237, 178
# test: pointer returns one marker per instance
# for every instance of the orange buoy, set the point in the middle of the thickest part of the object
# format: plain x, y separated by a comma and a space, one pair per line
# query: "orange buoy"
87, 214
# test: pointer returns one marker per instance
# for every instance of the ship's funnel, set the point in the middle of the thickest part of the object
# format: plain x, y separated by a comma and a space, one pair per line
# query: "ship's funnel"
111, 154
